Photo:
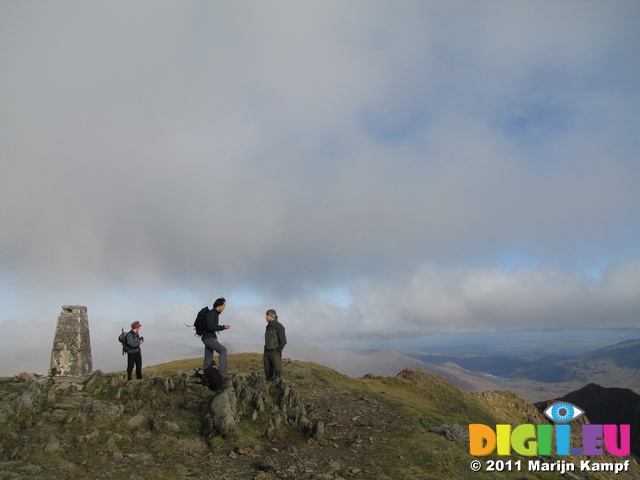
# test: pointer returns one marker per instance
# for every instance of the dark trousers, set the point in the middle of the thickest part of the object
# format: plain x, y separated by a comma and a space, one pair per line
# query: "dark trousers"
134, 359
272, 363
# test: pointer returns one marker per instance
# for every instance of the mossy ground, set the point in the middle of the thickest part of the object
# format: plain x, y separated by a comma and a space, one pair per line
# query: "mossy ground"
374, 428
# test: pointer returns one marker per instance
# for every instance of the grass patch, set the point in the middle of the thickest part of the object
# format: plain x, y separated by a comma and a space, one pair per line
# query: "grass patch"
429, 397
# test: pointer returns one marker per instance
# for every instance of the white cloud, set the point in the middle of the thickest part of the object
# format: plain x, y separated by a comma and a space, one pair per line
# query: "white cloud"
158, 153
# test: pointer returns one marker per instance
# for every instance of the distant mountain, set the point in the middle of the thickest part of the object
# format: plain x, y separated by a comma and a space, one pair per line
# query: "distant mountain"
536, 377
617, 406
497, 365
550, 369
615, 365
624, 354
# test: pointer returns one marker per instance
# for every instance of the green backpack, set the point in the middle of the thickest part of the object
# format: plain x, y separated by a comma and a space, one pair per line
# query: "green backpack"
122, 338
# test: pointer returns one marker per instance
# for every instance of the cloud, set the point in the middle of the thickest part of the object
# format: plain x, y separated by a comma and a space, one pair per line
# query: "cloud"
462, 300
475, 162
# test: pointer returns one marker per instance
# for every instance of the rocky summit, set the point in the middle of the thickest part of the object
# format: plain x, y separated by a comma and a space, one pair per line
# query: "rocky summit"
313, 423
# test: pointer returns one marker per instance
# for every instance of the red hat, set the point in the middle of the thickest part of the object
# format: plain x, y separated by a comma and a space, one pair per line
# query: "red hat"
136, 325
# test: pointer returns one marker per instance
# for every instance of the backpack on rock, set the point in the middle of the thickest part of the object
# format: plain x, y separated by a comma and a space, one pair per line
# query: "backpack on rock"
211, 378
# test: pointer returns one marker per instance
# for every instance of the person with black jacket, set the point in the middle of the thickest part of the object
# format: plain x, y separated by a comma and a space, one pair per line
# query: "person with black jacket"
210, 337
274, 341
133, 340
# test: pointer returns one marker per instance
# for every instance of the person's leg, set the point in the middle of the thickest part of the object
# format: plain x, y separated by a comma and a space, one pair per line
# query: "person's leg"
208, 353
222, 352
139, 365
276, 360
130, 363
268, 370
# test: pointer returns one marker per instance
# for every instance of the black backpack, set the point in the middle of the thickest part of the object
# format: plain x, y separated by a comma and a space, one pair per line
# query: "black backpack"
122, 338
211, 378
200, 323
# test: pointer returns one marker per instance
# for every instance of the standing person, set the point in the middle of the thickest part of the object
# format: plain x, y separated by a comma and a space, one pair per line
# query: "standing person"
210, 337
133, 341
274, 341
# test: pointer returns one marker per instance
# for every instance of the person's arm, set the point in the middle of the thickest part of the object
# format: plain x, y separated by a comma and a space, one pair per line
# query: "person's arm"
212, 322
282, 337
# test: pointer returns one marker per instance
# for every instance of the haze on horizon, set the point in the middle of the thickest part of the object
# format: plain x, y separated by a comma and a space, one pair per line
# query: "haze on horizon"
381, 174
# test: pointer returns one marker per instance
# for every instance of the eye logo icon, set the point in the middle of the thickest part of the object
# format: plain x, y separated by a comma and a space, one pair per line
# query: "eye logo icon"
563, 412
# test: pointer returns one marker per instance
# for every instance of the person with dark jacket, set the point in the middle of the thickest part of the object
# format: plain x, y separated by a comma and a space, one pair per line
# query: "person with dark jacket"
133, 340
274, 341
210, 337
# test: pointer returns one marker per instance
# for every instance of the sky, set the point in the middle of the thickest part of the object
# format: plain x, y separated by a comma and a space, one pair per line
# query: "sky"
380, 173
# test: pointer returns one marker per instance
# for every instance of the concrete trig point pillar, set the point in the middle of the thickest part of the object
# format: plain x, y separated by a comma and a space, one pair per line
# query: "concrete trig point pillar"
71, 354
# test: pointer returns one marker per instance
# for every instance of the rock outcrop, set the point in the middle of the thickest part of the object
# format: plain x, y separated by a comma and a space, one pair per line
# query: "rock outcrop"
252, 398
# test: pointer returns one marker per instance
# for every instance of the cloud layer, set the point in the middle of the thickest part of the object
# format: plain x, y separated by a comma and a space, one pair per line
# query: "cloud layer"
370, 169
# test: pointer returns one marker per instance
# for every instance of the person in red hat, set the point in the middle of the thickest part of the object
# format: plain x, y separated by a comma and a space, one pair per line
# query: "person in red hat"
134, 353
